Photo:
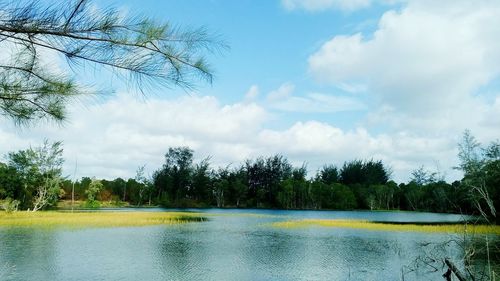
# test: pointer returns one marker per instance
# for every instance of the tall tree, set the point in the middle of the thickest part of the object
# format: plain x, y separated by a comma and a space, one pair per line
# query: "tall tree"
421, 176
40, 170
328, 174
174, 180
481, 169
144, 185
134, 48
364, 172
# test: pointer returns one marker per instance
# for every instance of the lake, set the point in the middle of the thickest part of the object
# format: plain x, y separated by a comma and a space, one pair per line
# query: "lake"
232, 245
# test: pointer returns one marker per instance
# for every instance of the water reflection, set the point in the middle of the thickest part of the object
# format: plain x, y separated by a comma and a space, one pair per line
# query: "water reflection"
227, 248
28, 251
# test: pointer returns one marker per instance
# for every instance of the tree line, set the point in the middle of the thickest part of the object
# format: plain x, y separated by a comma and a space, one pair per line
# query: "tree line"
32, 179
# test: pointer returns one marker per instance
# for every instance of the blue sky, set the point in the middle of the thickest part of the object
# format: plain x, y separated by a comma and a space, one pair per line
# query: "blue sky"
268, 46
319, 81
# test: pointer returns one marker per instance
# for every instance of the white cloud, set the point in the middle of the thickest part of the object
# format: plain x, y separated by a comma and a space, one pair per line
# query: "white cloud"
424, 68
283, 92
424, 65
316, 102
113, 138
252, 93
284, 100
320, 143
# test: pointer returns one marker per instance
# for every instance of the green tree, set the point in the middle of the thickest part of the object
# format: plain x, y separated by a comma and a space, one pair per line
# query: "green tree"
286, 195
264, 177
173, 182
421, 176
239, 191
474, 165
413, 195
342, 197
11, 182
139, 50
93, 189
220, 187
40, 171
364, 172
201, 181
317, 192
328, 174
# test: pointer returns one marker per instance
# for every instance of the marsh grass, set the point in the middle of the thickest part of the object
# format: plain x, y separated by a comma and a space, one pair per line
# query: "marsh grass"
244, 215
95, 219
391, 226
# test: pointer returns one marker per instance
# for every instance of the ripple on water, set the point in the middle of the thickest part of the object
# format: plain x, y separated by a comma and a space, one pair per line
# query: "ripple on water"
228, 247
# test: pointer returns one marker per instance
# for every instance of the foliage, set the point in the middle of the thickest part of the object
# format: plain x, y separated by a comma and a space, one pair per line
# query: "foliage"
328, 174
263, 182
134, 48
421, 176
173, 180
389, 226
364, 172
481, 167
34, 176
48, 193
10, 205
94, 188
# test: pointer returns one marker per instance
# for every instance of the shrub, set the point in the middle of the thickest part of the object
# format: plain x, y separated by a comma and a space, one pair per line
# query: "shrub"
10, 205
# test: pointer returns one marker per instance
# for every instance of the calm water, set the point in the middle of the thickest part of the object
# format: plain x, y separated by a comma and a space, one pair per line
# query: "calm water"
234, 247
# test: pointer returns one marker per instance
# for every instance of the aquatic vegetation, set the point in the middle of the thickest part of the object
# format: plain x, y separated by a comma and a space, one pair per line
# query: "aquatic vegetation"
391, 226
95, 219
246, 215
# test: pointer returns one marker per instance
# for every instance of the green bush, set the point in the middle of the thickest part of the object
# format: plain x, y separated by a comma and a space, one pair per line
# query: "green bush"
94, 204
10, 205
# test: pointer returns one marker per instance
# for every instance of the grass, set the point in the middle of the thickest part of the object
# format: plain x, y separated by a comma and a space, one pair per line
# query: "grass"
391, 226
80, 204
95, 219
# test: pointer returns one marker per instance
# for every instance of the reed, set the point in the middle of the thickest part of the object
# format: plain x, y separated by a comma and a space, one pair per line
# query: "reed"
95, 219
391, 226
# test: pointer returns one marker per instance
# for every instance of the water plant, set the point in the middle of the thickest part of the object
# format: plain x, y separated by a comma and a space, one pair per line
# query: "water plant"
95, 219
391, 226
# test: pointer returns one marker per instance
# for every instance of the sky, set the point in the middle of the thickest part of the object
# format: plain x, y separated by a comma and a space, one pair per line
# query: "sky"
318, 81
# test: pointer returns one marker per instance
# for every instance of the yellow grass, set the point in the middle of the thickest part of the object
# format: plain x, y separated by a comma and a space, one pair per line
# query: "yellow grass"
377, 226
244, 215
94, 219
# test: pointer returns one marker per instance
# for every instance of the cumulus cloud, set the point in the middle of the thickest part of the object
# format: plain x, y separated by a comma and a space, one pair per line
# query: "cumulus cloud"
320, 143
425, 64
113, 138
422, 70
284, 91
